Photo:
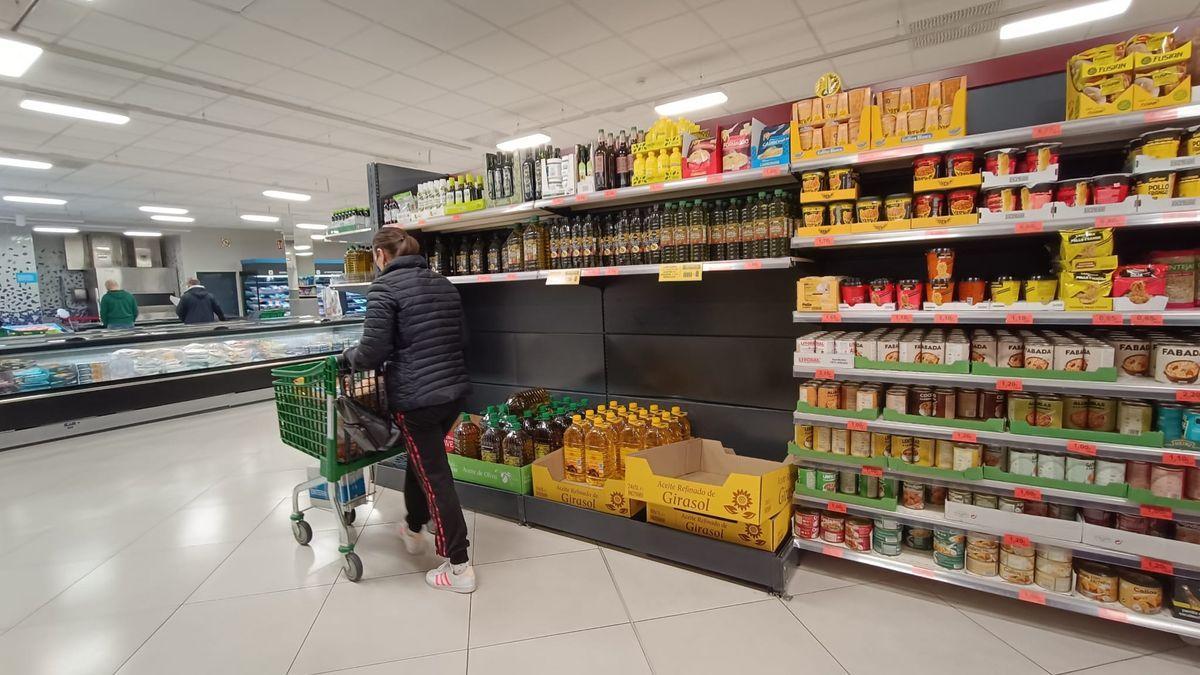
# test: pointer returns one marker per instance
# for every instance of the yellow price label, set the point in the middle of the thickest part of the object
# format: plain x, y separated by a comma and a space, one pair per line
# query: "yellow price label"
681, 272
562, 278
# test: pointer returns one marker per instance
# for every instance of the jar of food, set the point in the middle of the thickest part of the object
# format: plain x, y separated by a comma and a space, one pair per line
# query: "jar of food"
854, 291
939, 262
941, 290
929, 205
882, 291
1187, 184
910, 294
1111, 188
1040, 288
843, 178
1037, 196
1076, 192
961, 201
1006, 290
927, 167
1001, 200
1157, 185
868, 209
813, 180
898, 206
814, 215
1041, 156
1162, 143
960, 163
972, 290
841, 213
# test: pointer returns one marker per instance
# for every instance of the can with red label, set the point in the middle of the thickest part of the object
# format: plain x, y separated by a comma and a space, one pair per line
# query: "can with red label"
807, 523
833, 528
858, 534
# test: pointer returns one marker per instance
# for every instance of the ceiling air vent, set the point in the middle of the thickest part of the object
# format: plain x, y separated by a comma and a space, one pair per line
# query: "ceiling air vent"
961, 23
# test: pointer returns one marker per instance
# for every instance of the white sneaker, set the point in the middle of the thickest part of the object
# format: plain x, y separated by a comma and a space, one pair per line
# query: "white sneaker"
457, 578
416, 543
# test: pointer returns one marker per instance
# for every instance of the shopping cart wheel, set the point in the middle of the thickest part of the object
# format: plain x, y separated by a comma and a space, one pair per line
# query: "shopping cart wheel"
353, 567
348, 517
302, 531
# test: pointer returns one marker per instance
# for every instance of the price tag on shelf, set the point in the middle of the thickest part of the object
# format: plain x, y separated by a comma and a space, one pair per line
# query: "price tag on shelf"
873, 471
1030, 494
715, 178
1157, 566
772, 171
945, 317
511, 277
581, 198
456, 217
1188, 395
902, 317
833, 551
1052, 130
1029, 227
1009, 384
1110, 221
1107, 319
825, 374
1146, 319
1081, 448
562, 278
836, 507
1112, 614
924, 572
681, 272
856, 425
1178, 459
1151, 116
1019, 318
609, 194
611, 271
823, 241
1017, 540
557, 201
1036, 597
1159, 512
831, 317
484, 278
656, 187
964, 437
752, 265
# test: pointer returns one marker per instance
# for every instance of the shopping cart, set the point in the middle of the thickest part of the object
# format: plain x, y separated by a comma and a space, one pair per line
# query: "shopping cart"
305, 398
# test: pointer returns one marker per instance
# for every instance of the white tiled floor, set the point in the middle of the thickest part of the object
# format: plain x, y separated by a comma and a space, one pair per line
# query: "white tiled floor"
166, 548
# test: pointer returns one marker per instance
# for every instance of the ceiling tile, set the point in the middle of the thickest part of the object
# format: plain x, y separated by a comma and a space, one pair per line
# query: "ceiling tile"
707, 63
315, 20
268, 44
222, 63
195, 132
84, 148
241, 113
645, 82
672, 36
435, 23
143, 157
623, 15
388, 48
955, 52
875, 65
856, 23
405, 89
500, 52
796, 83
787, 41
560, 30
181, 17
449, 71
733, 18
54, 16
78, 77
412, 119
362, 104
130, 38
338, 67
302, 87
497, 91
458, 130
590, 95
548, 75
751, 94
163, 98
503, 121
235, 5
607, 57
507, 13
451, 106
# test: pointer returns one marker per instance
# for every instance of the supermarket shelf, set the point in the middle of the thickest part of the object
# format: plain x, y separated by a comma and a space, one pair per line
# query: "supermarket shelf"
1109, 450
1127, 387
509, 505
998, 316
770, 176
986, 230
500, 276
360, 236
918, 565
352, 286
933, 516
482, 219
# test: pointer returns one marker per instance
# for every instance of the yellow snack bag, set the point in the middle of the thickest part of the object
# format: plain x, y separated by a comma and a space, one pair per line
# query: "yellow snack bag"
1086, 290
1088, 242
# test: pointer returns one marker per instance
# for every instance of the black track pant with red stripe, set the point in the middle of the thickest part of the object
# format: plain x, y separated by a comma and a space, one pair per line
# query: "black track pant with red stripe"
428, 486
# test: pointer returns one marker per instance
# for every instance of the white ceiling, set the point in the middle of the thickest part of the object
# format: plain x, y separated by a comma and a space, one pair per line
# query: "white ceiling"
231, 97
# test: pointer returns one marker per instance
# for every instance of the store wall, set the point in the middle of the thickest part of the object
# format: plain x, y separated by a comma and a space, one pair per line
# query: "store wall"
54, 279
20, 300
223, 250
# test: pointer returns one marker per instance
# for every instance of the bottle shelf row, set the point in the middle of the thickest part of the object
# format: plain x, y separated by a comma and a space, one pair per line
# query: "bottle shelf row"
1003, 316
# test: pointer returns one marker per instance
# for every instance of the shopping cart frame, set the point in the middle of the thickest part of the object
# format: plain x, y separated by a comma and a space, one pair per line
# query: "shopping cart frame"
306, 404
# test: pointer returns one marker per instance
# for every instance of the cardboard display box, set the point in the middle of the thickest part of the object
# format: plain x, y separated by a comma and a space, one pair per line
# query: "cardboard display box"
493, 475
705, 477
549, 482
765, 536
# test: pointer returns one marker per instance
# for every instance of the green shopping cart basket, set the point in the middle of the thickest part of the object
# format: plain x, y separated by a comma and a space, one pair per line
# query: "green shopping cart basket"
305, 400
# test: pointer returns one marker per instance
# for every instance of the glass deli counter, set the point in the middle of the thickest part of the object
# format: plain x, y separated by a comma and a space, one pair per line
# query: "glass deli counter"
60, 385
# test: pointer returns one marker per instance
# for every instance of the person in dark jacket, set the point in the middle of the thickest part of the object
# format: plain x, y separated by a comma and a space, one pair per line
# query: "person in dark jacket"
414, 325
196, 305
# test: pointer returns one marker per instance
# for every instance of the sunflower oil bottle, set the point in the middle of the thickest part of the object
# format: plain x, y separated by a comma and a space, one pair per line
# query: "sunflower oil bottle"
631, 441
656, 434
596, 450
684, 423
674, 430
573, 466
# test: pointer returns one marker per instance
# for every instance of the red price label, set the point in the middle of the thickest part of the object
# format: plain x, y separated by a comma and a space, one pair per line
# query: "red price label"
581, 198
874, 471
1031, 596
1151, 116
1017, 541
1110, 221
611, 271
1081, 448
772, 171
1052, 130
1178, 459
831, 317
964, 437
1008, 384
823, 241
1188, 395
1112, 614
836, 507
1146, 319
1157, 566
1030, 227
825, 374
1107, 319
609, 194
752, 265
456, 217
484, 278
924, 572
557, 201
945, 317
715, 178
1159, 512
1030, 494
656, 187
1019, 318
833, 551
856, 425
902, 317
510, 277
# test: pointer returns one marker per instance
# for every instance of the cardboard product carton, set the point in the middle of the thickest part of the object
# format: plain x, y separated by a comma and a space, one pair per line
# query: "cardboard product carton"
490, 474
735, 146
703, 476
549, 482
765, 536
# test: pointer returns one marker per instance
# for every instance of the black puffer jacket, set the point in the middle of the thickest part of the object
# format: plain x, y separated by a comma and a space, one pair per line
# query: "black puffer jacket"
415, 324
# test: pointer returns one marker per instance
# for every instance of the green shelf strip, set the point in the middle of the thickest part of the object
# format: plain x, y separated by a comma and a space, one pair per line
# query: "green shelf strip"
972, 425
897, 464
804, 453
489, 474
1110, 490
835, 412
960, 368
1102, 375
1150, 439
1140, 496
885, 504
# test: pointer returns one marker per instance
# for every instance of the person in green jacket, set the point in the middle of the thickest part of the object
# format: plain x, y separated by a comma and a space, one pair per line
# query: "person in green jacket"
118, 308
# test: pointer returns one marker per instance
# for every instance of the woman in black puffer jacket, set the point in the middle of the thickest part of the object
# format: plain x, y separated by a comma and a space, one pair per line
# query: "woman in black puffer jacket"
414, 325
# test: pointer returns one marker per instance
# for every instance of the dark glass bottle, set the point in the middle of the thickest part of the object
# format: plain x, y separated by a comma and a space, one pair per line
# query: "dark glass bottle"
651, 244
478, 255
494, 253
621, 229
637, 236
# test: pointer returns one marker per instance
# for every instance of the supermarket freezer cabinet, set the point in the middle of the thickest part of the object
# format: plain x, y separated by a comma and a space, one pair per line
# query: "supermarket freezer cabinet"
65, 385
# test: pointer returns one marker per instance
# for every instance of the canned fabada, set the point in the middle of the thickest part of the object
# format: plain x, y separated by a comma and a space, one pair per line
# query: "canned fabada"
1176, 363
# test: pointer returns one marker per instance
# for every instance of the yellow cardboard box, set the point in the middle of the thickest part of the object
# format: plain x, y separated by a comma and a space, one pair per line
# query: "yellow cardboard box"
765, 536
705, 477
549, 483
881, 226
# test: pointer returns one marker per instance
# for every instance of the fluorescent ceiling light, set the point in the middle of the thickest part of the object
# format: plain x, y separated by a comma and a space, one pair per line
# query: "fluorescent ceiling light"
249, 217
303, 247
712, 98
168, 210
24, 163
303, 254
318, 237
523, 142
290, 196
312, 226
16, 57
56, 230
173, 219
21, 199
1064, 19
74, 111
141, 233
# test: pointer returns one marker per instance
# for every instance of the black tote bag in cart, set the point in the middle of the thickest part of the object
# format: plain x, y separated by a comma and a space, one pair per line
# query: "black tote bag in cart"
363, 413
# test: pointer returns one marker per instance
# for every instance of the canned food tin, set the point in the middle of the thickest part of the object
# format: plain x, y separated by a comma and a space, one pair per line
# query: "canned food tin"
829, 395
807, 523
1137, 474
1096, 581
848, 481
1011, 505
949, 548
985, 501
1098, 517
1022, 462
858, 534
1166, 481
967, 404
913, 496
868, 398
860, 443
849, 395
995, 456
992, 405
880, 443
1021, 408
1133, 417
924, 450
904, 448
1129, 523
1033, 508
919, 538
945, 403
1049, 411
1051, 466
936, 494
1061, 511
943, 454
884, 546
821, 439
1010, 351
983, 349
967, 456
1102, 414
1132, 355
1039, 355
1057, 584
1170, 421
1081, 469
868, 486
897, 399
808, 392
833, 528
1139, 592
1109, 471
806, 477
925, 401
839, 441
827, 480
958, 496
804, 436
1075, 412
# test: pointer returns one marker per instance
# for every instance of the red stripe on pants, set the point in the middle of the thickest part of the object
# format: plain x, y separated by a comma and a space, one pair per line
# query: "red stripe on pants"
414, 457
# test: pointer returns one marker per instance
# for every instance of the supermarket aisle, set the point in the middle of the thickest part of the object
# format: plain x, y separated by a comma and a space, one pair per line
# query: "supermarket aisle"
166, 548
